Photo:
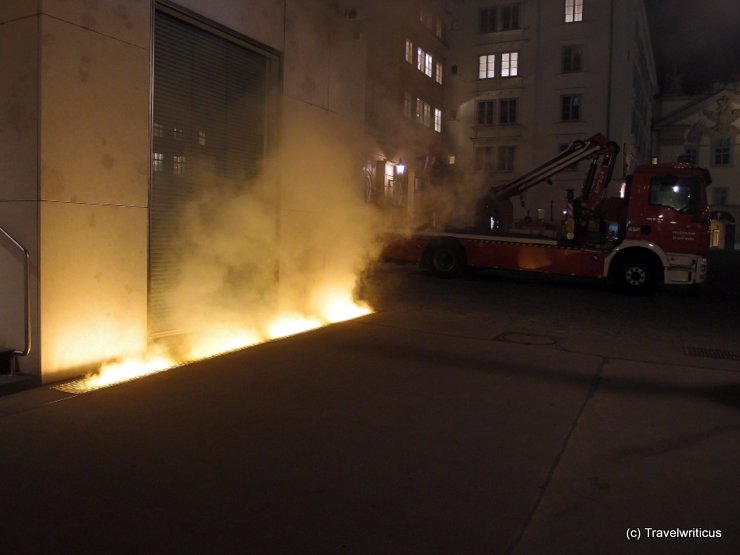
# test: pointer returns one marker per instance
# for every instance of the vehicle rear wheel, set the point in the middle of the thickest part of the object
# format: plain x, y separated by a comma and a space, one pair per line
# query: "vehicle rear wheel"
447, 260
636, 275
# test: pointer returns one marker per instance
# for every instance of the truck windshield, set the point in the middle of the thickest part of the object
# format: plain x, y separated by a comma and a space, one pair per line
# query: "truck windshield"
681, 194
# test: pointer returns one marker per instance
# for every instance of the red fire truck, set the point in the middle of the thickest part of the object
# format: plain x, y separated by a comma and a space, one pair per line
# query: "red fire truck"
656, 230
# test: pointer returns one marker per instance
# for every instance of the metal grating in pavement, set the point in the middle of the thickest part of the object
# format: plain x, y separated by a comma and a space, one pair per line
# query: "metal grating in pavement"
705, 352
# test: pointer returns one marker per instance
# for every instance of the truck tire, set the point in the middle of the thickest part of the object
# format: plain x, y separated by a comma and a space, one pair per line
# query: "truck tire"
636, 275
447, 260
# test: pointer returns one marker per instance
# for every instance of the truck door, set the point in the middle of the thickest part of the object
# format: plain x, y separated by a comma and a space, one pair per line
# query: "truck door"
676, 216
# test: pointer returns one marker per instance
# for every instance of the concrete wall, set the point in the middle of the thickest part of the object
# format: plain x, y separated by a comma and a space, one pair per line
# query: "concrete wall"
74, 170
19, 115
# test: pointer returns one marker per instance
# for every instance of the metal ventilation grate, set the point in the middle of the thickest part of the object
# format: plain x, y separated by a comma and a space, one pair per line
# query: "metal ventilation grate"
705, 352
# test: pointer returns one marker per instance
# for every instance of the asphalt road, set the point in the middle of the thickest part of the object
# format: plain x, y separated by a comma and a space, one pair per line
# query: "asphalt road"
496, 414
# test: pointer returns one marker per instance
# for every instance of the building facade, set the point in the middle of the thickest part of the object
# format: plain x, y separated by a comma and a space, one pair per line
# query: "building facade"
407, 52
705, 130
529, 77
116, 114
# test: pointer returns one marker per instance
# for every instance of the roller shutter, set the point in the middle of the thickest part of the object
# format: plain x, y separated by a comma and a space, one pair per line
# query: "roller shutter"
209, 130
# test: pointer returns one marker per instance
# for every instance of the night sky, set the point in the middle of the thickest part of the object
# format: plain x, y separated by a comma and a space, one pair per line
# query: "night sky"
699, 38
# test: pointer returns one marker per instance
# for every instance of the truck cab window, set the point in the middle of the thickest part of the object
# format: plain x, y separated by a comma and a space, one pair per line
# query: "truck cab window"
683, 195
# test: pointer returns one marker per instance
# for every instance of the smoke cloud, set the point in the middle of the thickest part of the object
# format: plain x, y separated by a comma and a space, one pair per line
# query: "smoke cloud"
287, 244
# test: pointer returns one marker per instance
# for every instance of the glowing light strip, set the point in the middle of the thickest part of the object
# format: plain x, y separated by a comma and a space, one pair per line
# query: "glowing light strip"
132, 369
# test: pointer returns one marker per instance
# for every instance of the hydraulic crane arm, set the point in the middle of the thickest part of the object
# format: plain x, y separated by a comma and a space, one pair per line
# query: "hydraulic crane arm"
577, 150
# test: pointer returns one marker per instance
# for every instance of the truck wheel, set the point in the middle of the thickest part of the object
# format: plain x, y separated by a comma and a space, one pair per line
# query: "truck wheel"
447, 261
636, 275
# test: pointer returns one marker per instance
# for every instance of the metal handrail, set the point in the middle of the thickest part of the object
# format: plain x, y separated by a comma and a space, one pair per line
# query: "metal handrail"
27, 295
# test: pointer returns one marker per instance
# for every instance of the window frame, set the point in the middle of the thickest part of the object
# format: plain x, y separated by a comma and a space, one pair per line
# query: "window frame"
485, 113
487, 69
487, 19
484, 159
409, 52
570, 109
509, 64
508, 111
505, 158
573, 11
572, 58
722, 151
512, 21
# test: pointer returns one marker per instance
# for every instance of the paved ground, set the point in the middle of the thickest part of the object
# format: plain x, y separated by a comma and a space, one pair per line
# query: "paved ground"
487, 415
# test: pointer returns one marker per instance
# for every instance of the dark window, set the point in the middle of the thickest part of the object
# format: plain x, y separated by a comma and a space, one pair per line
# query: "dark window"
510, 17
570, 107
689, 156
571, 59
719, 196
485, 112
683, 195
506, 158
722, 151
487, 20
484, 159
507, 111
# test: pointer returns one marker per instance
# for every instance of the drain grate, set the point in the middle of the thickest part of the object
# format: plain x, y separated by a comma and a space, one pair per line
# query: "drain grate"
705, 352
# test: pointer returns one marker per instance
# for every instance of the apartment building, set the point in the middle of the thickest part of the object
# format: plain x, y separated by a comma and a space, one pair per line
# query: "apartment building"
529, 77
407, 52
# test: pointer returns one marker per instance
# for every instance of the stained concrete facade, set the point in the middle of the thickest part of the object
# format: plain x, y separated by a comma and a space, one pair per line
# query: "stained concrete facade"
75, 132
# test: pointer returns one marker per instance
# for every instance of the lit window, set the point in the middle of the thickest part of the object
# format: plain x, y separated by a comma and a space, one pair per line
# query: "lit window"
573, 11
438, 73
487, 66
510, 17
420, 54
507, 111
485, 112
427, 114
409, 51
509, 64
570, 107
438, 120
428, 65
506, 158
571, 59
178, 167
158, 130
177, 134
487, 21
157, 161
722, 151
202, 138
419, 109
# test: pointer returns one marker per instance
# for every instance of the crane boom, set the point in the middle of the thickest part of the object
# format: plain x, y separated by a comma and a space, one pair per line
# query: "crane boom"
574, 152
